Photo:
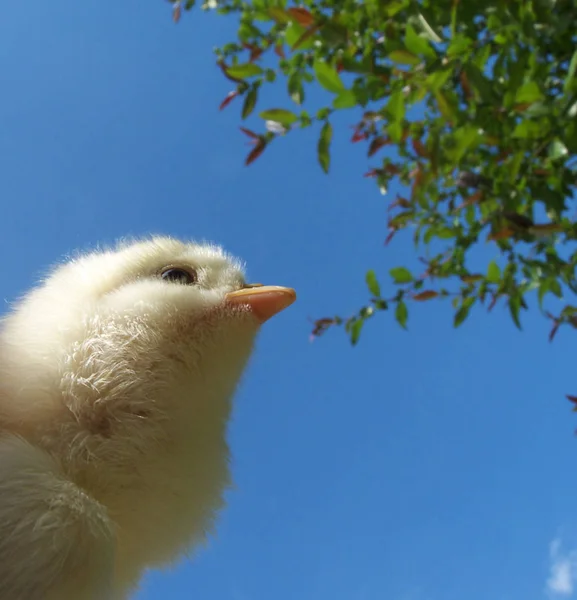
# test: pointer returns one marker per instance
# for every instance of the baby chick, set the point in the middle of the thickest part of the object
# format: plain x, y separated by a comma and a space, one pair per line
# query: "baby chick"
116, 381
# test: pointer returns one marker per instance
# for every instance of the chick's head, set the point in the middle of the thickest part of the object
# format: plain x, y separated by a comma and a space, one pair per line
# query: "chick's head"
158, 327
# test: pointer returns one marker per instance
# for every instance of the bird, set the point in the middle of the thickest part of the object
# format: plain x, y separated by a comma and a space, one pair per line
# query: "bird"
117, 377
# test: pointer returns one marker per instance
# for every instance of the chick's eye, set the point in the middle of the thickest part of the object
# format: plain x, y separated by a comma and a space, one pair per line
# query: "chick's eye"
182, 276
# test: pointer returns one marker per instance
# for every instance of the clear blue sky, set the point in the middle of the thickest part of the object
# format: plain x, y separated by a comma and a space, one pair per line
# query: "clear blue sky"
429, 465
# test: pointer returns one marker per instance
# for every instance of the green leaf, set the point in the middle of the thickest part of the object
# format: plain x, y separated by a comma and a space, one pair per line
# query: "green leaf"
444, 105
333, 34
328, 77
444, 233
515, 165
373, 284
396, 106
392, 7
568, 84
323, 146
465, 138
346, 99
243, 71
493, 272
381, 304
555, 287
482, 85
437, 79
543, 289
528, 130
402, 314
395, 131
428, 31
279, 15
355, 330
404, 57
557, 149
401, 275
294, 33
516, 71
463, 311
249, 102
280, 115
528, 93
459, 46
514, 308
366, 312
295, 88
418, 45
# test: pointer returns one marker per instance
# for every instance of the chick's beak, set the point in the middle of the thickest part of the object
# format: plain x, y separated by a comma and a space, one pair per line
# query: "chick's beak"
265, 301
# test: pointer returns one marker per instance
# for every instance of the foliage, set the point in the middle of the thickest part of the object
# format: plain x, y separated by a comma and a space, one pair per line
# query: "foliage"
477, 104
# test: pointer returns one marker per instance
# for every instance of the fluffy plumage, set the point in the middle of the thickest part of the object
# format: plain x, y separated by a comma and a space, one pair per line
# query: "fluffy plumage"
115, 391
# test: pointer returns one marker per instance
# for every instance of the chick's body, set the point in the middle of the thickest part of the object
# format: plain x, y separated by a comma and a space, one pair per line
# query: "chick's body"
115, 392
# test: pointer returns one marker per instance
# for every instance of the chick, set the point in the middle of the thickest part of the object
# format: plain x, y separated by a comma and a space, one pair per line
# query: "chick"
116, 381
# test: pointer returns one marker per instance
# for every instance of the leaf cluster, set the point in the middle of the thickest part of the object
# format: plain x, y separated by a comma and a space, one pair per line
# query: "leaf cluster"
476, 102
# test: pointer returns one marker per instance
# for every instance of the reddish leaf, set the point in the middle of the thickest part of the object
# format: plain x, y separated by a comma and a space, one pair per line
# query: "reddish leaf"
255, 51
320, 326
518, 220
471, 278
503, 155
359, 135
256, 151
418, 178
377, 144
279, 51
302, 16
465, 85
229, 98
391, 169
387, 169
339, 66
390, 236
251, 134
502, 234
493, 302
474, 199
522, 107
371, 116
546, 228
420, 148
176, 12
571, 398
255, 54
426, 295
553, 331
401, 219
403, 202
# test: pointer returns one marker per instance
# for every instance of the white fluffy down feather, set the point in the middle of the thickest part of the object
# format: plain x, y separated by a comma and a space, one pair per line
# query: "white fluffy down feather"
116, 380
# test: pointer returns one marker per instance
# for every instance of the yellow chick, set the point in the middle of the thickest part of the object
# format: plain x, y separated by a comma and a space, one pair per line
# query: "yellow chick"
116, 380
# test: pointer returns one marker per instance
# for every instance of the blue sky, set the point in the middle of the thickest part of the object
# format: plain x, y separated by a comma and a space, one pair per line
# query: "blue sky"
425, 465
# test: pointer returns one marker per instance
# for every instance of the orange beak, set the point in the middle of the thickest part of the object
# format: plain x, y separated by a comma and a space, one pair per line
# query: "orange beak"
264, 301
